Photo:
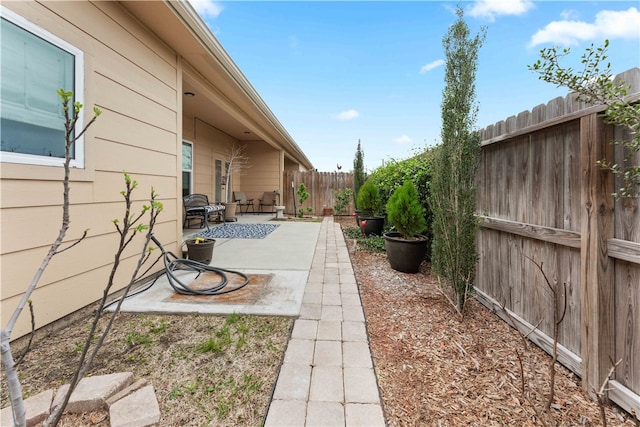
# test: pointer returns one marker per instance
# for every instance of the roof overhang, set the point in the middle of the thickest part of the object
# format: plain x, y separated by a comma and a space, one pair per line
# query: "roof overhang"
223, 97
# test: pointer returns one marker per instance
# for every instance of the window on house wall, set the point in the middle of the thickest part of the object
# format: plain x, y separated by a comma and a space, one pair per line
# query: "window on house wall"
187, 168
34, 64
217, 185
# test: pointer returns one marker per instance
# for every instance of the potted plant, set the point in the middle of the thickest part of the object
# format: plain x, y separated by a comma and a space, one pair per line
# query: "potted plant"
369, 203
406, 249
200, 249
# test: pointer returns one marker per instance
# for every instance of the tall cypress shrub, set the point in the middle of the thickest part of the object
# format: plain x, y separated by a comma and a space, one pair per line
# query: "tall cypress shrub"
455, 166
359, 176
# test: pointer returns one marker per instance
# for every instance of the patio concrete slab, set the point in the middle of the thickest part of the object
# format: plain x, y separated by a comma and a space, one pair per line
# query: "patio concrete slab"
286, 255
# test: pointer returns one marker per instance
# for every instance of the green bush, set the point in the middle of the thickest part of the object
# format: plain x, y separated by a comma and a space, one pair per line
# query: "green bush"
417, 169
405, 212
343, 197
368, 199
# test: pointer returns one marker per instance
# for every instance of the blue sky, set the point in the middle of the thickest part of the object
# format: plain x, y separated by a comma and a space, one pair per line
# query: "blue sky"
335, 72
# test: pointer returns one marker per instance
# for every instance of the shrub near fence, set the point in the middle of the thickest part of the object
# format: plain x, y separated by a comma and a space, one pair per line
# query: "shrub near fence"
541, 195
320, 185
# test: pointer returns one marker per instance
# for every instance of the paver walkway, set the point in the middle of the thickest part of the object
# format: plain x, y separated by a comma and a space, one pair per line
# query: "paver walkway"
327, 377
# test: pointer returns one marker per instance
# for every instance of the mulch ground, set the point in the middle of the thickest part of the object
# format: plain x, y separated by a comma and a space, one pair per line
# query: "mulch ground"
436, 368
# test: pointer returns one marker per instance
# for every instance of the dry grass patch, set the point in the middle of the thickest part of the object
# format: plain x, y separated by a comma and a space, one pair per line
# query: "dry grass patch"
206, 370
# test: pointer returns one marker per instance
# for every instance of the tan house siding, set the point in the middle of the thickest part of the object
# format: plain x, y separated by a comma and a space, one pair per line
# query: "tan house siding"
209, 144
132, 77
265, 174
139, 59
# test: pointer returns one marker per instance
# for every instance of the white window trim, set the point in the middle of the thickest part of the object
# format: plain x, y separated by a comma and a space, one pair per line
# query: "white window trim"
191, 174
78, 161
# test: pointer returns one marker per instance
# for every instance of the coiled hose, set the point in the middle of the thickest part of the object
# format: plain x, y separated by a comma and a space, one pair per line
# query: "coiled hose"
173, 264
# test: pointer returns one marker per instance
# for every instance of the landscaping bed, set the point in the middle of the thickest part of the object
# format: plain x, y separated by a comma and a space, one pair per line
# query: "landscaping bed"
435, 368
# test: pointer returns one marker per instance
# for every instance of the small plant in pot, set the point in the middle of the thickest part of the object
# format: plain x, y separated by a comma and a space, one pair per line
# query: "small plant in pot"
368, 201
406, 248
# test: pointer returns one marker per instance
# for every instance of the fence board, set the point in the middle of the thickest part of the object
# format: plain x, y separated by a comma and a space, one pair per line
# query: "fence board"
542, 196
321, 187
627, 303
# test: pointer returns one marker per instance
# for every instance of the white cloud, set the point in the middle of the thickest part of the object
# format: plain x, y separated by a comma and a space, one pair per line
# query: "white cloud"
348, 115
403, 139
608, 24
489, 9
428, 67
206, 8
569, 14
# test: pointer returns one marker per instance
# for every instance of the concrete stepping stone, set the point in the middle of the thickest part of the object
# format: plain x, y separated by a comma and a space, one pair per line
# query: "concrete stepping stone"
139, 409
92, 393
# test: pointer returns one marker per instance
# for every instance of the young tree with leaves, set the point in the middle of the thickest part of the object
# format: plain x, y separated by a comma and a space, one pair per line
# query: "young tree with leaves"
359, 177
595, 85
453, 188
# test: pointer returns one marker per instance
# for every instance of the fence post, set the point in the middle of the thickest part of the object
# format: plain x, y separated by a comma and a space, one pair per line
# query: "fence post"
596, 267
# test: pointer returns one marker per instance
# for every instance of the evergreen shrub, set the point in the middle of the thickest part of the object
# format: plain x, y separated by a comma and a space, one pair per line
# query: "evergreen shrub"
368, 199
405, 212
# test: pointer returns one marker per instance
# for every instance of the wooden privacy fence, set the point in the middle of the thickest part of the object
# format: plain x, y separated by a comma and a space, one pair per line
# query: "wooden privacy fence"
320, 185
543, 198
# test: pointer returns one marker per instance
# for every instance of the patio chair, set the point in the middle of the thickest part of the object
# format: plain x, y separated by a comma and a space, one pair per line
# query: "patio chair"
241, 199
196, 207
268, 199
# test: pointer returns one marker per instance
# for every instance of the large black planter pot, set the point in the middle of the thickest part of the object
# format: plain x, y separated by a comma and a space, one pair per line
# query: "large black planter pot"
373, 225
405, 255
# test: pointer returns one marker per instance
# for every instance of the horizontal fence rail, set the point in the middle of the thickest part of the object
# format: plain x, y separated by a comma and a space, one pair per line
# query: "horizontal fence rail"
545, 201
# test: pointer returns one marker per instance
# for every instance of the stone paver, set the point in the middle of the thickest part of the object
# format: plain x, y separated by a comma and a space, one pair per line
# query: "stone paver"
130, 404
360, 385
329, 330
293, 383
328, 353
364, 415
325, 414
139, 409
286, 413
327, 378
305, 329
91, 393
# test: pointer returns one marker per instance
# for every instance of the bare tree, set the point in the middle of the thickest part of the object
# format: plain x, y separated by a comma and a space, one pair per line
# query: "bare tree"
13, 383
130, 225
238, 161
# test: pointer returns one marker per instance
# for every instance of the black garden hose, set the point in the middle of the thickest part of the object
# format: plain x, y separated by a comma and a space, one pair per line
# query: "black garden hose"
172, 264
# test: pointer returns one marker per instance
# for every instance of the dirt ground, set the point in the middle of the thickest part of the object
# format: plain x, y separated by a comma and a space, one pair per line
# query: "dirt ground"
434, 368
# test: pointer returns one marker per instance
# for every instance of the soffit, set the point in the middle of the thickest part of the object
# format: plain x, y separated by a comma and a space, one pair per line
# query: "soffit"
223, 96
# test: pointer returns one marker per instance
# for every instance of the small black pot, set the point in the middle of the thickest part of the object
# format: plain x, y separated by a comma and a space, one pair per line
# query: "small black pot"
374, 225
405, 255
201, 252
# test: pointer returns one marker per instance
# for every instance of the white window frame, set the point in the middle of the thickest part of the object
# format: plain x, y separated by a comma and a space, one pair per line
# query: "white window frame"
78, 93
184, 141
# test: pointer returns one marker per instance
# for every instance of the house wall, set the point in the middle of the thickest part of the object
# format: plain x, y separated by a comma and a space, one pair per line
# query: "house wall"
135, 80
209, 144
265, 171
